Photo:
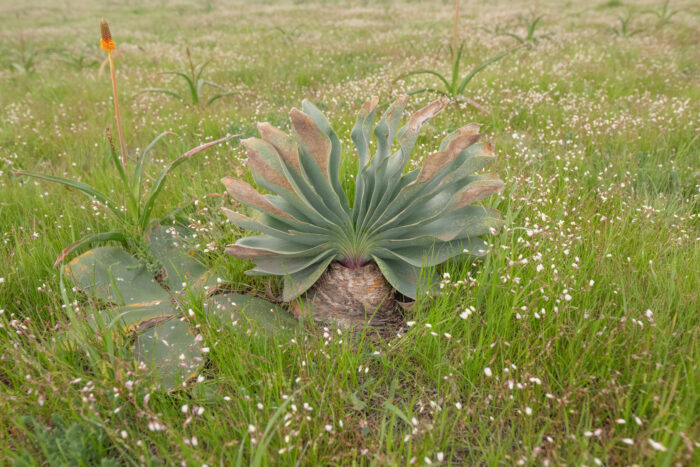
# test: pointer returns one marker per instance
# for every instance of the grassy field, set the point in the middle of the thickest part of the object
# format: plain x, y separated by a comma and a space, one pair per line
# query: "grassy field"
574, 342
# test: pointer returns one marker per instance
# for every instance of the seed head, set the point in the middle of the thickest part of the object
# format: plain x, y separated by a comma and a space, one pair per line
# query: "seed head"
106, 42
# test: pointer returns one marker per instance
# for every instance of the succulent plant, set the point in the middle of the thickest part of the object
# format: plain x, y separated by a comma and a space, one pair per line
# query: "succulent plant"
345, 259
129, 297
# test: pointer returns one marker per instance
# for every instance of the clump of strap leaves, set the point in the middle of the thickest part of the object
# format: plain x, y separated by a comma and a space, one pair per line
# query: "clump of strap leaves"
144, 293
125, 295
344, 262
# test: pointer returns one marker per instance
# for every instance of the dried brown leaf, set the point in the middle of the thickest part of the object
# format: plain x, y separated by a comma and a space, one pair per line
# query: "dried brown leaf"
263, 158
476, 191
419, 118
244, 252
283, 143
316, 143
437, 160
246, 194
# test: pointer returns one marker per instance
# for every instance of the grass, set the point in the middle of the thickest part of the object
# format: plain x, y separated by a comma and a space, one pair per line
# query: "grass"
580, 345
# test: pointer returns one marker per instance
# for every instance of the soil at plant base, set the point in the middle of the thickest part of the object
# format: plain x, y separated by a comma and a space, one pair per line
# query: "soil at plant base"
352, 299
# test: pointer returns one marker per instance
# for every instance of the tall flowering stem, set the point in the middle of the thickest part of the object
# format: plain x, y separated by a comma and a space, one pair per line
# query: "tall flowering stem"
454, 31
107, 44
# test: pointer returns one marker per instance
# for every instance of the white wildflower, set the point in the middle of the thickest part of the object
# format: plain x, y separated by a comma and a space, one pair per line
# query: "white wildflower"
656, 445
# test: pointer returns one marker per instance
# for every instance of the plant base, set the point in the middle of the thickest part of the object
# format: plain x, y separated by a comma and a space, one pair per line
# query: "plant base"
350, 298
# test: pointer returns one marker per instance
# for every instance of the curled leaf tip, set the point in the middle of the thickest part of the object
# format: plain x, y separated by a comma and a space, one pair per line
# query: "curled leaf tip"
369, 105
419, 118
470, 129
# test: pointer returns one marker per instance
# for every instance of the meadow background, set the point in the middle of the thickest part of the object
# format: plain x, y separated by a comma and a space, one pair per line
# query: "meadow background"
574, 342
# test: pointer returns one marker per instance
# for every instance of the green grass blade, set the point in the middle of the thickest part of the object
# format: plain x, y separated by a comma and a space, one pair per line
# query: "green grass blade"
131, 201
182, 74
209, 83
533, 26
99, 238
163, 91
261, 450
479, 68
219, 96
138, 170
428, 72
194, 91
190, 84
118, 164
433, 90
82, 187
160, 181
455, 70
198, 77
514, 36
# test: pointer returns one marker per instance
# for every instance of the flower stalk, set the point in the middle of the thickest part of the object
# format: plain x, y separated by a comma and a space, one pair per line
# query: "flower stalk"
107, 44
454, 30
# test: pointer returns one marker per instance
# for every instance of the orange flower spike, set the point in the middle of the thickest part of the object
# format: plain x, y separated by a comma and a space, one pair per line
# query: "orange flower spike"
106, 42
107, 45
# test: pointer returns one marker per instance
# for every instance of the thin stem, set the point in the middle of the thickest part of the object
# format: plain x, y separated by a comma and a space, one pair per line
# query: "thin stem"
116, 109
189, 57
454, 31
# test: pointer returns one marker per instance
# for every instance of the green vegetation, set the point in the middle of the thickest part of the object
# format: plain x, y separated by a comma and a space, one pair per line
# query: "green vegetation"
455, 86
399, 221
574, 341
136, 220
663, 14
624, 28
195, 83
529, 25
22, 56
85, 57
78, 443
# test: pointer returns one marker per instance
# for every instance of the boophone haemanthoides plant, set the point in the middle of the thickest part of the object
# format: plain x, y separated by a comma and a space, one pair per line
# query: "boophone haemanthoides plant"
345, 261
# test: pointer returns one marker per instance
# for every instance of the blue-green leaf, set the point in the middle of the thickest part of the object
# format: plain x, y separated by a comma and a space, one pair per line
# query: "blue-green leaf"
135, 316
171, 245
282, 265
265, 245
401, 275
113, 275
336, 150
267, 227
245, 309
299, 282
172, 350
435, 253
